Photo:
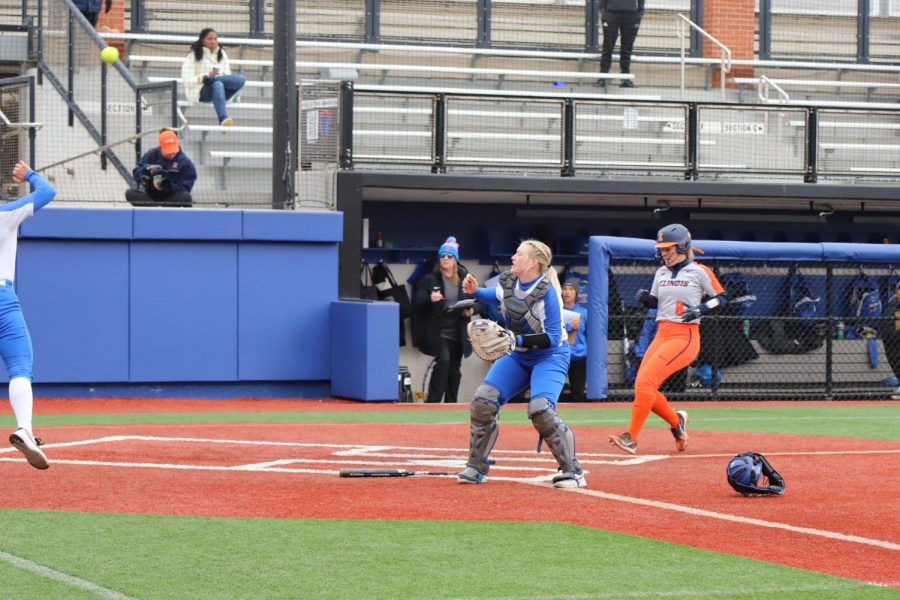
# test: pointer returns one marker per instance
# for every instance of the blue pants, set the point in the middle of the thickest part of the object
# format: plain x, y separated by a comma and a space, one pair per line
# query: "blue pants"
15, 341
219, 90
544, 370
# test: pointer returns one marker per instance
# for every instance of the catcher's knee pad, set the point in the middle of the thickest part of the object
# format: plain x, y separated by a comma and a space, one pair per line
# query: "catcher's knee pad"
557, 434
483, 430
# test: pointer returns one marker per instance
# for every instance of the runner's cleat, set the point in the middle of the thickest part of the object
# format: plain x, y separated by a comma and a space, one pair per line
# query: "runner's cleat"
680, 432
625, 442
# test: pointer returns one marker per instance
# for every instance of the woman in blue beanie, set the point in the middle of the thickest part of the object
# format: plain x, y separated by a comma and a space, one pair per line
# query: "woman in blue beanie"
445, 337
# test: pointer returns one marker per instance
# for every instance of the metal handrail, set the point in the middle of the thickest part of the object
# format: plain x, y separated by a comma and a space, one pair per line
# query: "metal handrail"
763, 87
12, 125
724, 66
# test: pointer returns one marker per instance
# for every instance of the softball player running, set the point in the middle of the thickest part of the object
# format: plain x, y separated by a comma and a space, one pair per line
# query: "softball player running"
15, 341
678, 287
531, 306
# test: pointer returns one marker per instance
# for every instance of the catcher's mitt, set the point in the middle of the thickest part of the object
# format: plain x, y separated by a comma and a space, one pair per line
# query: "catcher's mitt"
489, 340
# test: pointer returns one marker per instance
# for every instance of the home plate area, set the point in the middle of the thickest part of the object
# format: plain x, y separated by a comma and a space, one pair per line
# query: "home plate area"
204, 454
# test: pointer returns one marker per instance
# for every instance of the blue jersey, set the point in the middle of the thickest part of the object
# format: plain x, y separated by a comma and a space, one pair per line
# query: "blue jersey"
544, 314
11, 216
579, 346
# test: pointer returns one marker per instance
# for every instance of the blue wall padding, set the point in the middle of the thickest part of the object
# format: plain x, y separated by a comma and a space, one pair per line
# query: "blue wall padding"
602, 248
325, 226
184, 311
178, 224
75, 297
158, 295
293, 338
365, 349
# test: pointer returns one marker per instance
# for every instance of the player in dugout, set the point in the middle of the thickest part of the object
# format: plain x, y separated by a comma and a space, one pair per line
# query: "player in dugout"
15, 341
536, 355
678, 288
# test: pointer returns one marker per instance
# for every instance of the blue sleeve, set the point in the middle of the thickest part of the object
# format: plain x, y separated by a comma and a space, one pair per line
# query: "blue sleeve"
41, 196
488, 296
552, 317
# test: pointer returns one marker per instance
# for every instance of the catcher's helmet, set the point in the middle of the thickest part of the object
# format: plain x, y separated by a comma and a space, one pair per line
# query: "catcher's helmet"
674, 235
745, 470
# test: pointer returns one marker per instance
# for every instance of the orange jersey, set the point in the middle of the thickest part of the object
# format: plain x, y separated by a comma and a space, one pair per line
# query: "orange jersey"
685, 285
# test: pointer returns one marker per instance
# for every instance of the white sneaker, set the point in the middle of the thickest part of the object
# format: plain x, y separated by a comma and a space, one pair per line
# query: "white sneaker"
28, 445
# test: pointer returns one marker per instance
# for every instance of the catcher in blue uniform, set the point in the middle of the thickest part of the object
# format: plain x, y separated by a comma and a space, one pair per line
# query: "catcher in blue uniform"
531, 351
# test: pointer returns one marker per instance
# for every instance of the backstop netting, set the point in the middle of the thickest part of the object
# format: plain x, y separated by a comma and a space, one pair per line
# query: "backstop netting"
803, 321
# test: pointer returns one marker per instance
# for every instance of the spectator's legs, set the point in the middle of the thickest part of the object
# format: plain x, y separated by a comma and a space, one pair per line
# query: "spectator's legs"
92, 17
179, 199
577, 379
892, 350
439, 374
629, 26
233, 84
214, 91
139, 198
453, 375
610, 34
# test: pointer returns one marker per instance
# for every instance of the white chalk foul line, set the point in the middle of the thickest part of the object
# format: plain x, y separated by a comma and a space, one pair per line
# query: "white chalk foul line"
70, 580
699, 512
750, 592
277, 466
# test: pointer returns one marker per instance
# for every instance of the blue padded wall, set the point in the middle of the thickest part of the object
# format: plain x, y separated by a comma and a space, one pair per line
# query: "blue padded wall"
183, 311
156, 295
365, 349
74, 294
288, 319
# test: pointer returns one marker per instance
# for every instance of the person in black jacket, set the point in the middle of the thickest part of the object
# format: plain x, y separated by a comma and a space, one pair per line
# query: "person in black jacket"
165, 173
619, 17
445, 332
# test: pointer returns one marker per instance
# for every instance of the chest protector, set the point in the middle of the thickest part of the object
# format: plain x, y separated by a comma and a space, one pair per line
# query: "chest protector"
518, 310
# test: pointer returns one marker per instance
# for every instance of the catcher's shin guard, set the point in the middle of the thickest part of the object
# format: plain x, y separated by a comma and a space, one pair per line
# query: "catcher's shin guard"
557, 434
483, 430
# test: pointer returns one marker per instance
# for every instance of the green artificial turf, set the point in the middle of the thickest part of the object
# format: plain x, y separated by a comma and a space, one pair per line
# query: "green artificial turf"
874, 421
142, 556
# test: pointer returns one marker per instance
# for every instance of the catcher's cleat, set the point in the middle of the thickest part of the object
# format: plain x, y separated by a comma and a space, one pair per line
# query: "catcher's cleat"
625, 442
27, 444
570, 480
680, 432
471, 475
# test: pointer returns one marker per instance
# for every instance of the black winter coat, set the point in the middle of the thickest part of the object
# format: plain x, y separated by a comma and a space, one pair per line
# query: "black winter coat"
429, 314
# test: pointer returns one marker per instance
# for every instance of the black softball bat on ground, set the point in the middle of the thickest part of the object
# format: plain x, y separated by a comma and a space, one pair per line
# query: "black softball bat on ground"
391, 473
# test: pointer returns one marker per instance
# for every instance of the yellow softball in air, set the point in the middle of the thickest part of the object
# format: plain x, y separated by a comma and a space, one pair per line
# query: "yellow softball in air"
109, 55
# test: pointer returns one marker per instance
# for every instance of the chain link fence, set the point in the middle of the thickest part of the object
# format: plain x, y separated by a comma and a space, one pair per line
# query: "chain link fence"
17, 132
790, 330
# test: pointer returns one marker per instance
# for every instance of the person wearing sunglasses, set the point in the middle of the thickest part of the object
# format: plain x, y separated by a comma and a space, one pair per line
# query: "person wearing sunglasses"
445, 331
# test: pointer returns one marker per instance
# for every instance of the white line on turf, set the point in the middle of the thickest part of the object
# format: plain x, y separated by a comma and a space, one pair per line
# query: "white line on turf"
749, 592
699, 512
70, 580
276, 467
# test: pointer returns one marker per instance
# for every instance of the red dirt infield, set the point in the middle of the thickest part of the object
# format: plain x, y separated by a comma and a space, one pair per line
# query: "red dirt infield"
839, 516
